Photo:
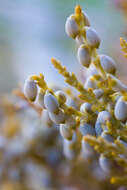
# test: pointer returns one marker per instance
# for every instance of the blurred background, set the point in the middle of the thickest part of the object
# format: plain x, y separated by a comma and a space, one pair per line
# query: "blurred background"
32, 31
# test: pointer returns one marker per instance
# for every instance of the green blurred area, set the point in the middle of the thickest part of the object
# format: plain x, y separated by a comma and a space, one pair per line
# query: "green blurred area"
32, 31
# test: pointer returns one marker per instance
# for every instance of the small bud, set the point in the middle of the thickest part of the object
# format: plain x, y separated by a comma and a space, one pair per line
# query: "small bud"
70, 102
121, 110
57, 118
84, 56
51, 103
108, 64
86, 19
90, 83
103, 117
65, 132
71, 27
61, 96
86, 107
92, 37
98, 129
91, 70
30, 89
98, 93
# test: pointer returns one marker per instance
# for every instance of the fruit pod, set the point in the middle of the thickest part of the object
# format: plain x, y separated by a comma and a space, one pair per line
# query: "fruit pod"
84, 55
71, 27
46, 121
61, 96
92, 37
57, 118
30, 89
121, 110
66, 132
51, 103
70, 102
86, 108
90, 83
98, 93
103, 117
91, 70
87, 129
98, 129
108, 64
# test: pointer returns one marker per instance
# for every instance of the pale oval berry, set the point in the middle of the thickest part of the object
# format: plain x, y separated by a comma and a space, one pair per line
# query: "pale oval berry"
87, 129
30, 89
71, 27
92, 37
51, 103
46, 119
84, 55
70, 102
66, 132
103, 117
121, 110
57, 118
86, 19
106, 164
98, 93
91, 70
40, 98
61, 96
86, 107
108, 64
98, 129
90, 83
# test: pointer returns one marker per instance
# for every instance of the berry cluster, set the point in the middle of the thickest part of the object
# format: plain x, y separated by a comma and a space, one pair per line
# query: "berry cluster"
95, 121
